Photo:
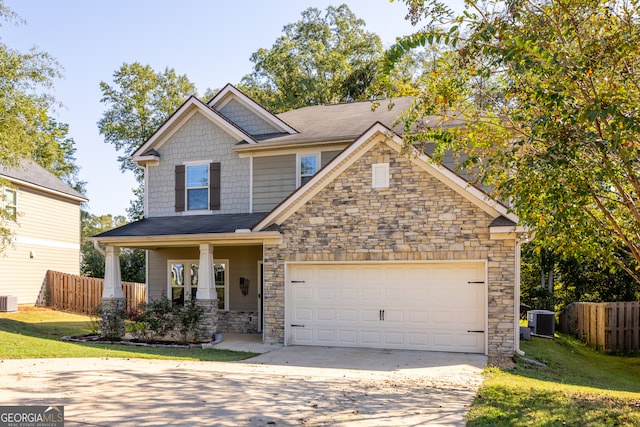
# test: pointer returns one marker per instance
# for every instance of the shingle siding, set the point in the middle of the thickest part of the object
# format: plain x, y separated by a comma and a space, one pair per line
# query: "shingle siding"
246, 119
417, 218
198, 140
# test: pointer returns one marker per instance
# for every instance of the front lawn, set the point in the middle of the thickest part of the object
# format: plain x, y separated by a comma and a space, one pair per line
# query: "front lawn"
35, 333
580, 387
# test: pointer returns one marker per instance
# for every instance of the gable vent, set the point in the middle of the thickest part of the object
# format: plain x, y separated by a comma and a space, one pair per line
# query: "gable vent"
380, 175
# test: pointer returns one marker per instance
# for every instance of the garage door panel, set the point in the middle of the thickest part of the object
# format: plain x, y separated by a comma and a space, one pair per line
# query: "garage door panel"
372, 338
303, 314
411, 306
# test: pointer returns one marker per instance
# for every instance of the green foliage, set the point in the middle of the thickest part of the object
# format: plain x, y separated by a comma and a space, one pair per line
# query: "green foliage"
160, 319
36, 334
573, 280
26, 129
579, 387
132, 261
321, 59
139, 101
547, 95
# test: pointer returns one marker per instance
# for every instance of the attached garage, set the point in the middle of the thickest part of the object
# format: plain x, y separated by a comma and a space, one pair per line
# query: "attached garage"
436, 306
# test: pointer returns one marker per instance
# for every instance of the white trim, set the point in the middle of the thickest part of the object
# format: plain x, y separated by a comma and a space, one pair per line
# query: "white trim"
187, 165
251, 184
484, 262
230, 92
380, 175
299, 157
227, 270
187, 263
145, 200
197, 162
179, 117
18, 182
353, 152
45, 243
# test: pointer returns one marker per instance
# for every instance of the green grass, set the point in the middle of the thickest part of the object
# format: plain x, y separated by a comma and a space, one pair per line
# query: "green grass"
580, 387
36, 333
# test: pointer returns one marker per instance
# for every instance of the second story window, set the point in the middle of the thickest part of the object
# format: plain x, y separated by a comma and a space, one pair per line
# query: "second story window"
308, 165
197, 187
9, 204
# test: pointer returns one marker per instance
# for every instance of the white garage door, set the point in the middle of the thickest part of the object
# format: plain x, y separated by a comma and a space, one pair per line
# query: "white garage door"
438, 307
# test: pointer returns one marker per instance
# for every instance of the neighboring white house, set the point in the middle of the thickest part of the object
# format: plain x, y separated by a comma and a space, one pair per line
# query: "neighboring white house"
44, 215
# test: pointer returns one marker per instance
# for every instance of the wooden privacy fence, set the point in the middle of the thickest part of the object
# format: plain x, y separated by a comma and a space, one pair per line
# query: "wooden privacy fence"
608, 326
81, 294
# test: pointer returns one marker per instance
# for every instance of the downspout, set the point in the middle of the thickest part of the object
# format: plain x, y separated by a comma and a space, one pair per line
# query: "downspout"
519, 242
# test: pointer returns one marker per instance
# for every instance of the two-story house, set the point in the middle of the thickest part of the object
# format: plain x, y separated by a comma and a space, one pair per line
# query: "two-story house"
313, 227
43, 215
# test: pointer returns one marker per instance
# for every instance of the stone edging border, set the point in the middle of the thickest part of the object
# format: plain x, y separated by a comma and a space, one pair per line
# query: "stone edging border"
140, 344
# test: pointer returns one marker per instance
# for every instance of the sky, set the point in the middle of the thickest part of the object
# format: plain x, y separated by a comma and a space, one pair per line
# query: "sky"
209, 41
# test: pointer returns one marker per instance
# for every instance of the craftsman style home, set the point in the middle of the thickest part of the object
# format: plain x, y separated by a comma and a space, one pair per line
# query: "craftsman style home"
43, 216
312, 227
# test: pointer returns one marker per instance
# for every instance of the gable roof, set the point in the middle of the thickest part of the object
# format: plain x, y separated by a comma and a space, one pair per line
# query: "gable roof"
31, 174
341, 123
378, 133
191, 106
230, 92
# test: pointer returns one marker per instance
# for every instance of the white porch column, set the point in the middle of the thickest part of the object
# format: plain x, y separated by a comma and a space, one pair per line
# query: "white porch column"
112, 278
206, 275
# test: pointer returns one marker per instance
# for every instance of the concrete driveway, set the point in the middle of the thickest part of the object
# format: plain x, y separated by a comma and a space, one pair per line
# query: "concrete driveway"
308, 386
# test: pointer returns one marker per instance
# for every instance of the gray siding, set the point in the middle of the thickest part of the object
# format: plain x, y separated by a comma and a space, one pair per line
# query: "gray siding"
327, 156
199, 140
274, 179
243, 262
246, 119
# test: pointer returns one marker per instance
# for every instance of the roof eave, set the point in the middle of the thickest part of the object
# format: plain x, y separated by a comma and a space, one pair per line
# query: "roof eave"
239, 237
27, 184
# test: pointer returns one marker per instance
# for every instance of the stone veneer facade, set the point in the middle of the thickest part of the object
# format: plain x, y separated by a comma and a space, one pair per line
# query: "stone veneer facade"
418, 218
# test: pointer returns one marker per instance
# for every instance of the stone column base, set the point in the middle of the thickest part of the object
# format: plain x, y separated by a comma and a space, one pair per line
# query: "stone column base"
112, 320
209, 324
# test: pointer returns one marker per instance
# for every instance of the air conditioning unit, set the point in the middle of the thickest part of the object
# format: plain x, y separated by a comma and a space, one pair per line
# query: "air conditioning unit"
8, 303
542, 322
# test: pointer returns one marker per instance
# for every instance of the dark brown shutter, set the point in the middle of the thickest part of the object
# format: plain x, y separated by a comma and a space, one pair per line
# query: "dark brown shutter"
214, 186
180, 184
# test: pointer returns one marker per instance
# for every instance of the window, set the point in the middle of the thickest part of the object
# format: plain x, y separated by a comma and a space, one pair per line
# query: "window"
197, 187
9, 204
183, 281
222, 285
183, 287
308, 165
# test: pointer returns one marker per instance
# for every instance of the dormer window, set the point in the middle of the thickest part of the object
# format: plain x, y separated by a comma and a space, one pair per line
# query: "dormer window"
308, 165
197, 187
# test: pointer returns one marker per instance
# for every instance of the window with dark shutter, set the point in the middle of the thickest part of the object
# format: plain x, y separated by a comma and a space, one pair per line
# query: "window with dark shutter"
214, 186
180, 182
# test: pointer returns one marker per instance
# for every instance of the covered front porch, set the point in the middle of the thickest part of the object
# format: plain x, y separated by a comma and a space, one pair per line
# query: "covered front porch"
204, 259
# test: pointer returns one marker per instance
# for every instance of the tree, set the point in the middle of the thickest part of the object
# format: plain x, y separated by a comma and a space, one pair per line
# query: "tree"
140, 100
321, 59
548, 93
58, 155
27, 130
132, 261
